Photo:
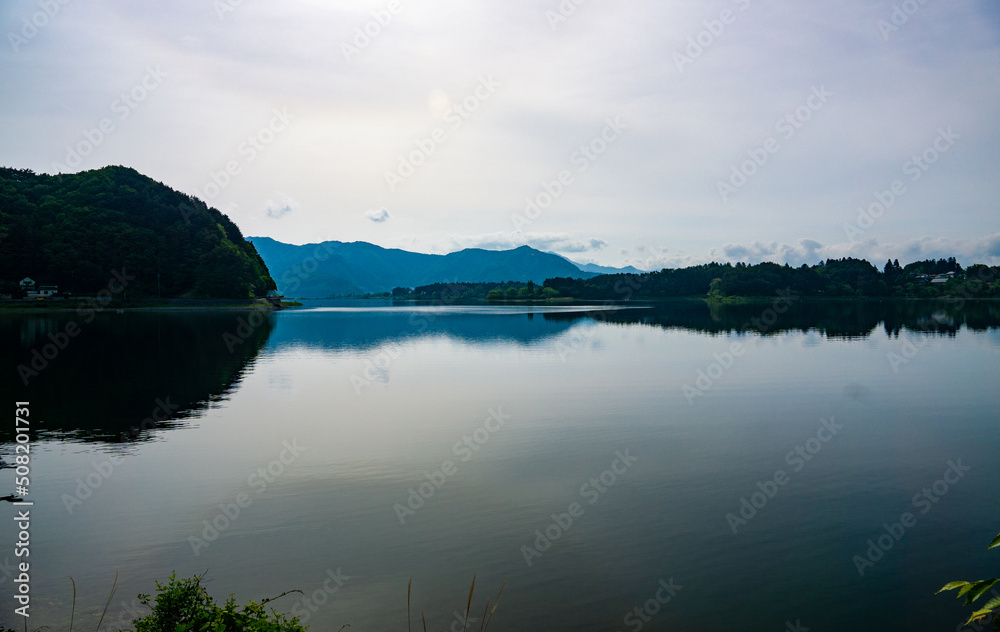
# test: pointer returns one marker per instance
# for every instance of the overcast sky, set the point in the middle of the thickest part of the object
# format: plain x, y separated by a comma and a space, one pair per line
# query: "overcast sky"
646, 132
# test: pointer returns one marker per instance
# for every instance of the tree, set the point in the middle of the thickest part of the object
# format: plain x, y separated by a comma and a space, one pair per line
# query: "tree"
715, 288
72, 230
974, 590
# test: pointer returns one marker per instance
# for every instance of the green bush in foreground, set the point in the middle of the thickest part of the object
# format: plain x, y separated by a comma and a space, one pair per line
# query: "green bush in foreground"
183, 605
974, 590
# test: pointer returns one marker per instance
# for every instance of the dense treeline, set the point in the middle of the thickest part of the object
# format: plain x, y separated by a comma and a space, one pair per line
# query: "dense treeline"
834, 278
74, 230
494, 291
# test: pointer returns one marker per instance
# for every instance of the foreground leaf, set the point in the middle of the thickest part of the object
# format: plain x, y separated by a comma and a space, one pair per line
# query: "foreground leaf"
979, 589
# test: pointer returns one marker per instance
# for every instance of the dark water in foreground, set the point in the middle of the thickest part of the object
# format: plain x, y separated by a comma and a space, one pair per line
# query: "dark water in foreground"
612, 451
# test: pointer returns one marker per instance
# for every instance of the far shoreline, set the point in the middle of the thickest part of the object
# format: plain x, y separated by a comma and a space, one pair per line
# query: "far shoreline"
20, 306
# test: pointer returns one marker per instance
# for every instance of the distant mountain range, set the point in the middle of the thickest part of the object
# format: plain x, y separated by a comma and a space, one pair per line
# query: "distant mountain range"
334, 268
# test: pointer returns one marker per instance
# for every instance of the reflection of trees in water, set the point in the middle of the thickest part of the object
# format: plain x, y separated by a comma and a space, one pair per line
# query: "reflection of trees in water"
123, 369
833, 318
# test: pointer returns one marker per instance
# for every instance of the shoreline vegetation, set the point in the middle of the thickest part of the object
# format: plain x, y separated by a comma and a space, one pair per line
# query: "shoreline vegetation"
185, 605
28, 306
846, 278
22, 306
117, 234
841, 279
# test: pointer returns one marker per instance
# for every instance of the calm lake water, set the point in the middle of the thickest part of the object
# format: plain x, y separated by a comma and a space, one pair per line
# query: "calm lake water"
830, 466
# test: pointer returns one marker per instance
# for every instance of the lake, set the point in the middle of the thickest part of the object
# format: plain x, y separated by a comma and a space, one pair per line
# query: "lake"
671, 466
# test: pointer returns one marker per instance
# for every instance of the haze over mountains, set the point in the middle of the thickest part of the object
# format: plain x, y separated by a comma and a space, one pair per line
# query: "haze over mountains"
334, 268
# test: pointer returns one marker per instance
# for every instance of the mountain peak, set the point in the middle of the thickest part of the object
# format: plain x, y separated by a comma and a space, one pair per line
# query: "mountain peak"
361, 267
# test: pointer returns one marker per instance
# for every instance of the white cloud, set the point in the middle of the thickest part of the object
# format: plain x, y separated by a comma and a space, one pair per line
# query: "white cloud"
548, 242
277, 210
809, 251
377, 216
655, 185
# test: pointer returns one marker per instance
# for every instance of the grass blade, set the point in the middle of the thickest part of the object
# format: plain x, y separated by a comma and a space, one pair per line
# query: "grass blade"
485, 611
73, 608
114, 589
468, 605
495, 604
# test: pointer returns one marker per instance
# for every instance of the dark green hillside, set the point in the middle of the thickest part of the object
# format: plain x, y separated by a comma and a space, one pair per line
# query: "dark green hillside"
835, 278
73, 230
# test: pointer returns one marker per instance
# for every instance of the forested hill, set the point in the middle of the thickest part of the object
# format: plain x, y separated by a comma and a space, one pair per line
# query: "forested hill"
74, 230
834, 278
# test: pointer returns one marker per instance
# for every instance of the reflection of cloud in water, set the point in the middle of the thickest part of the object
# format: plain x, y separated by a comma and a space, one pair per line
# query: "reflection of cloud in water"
811, 338
993, 336
857, 392
378, 375
280, 381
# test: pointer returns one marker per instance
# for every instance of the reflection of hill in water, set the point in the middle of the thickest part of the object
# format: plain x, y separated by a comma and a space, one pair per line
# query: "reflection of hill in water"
122, 368
114, 374
344, 330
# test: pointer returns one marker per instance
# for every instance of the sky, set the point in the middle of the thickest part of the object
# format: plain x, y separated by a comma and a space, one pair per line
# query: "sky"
653, 133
